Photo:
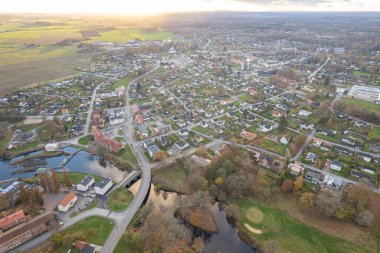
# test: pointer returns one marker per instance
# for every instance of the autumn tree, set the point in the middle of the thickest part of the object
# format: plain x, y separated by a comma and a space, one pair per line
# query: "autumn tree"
307, 200
357, 196
24, 194
298, 183
67, 179
365, 218
56, 184
287, 186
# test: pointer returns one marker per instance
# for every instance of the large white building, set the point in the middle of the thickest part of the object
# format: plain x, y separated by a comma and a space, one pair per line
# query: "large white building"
67, 202
103, 186
86, 183
368, 93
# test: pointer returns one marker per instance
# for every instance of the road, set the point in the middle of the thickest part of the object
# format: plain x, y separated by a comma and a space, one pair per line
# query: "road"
90, 110
137, 201
318, 69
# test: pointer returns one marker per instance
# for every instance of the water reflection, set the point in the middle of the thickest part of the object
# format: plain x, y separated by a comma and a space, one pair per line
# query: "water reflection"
82, 162
226, 241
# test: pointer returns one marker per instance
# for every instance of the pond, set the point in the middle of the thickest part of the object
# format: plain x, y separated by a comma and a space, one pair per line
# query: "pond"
83, 161
226, 241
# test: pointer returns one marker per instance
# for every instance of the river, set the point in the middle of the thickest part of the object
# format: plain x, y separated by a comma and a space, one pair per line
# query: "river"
226, 241
82, 162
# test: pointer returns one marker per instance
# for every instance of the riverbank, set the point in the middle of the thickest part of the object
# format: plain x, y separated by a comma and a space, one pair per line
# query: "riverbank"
42, 155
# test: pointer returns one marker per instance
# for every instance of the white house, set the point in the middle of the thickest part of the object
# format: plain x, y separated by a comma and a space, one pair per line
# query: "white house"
86, 182
304, 113
336, 165
103, 186
50, 147
265, 127
285, 140
67, 202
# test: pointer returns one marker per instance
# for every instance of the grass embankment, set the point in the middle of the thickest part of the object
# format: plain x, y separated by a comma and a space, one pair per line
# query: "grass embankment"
288, 233
75, 177
93, 229
171, 178
127, 154
119, 199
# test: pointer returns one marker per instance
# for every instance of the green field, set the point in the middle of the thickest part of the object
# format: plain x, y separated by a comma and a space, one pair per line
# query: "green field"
366, 105
128, 34
119, 199
275, 147
122, 82
127, 154
172, 177
84, 140
93, 229
289, 234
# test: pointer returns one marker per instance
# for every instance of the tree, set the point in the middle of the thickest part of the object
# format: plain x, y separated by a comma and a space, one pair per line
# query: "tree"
56, 184
24, 195
358, 197
67, 179
307, 200
287, 186
298, 183
282, 124
364, 218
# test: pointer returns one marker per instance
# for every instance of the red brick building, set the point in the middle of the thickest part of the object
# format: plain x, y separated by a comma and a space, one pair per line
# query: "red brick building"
105, 141
13, 220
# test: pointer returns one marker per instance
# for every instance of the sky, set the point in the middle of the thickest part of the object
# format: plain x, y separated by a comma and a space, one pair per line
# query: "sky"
146, 7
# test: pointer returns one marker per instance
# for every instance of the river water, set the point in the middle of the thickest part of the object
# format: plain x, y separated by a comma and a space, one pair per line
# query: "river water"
226, 241
82, 162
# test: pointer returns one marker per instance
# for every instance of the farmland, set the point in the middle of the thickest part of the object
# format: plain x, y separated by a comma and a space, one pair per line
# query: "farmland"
35, 51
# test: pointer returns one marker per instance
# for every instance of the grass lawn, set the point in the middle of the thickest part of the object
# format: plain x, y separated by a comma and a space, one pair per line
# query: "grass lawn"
93, 229
277, 148
122, 82
289, 234
127, 154
119, 199
84, 140
129, 243
172, 177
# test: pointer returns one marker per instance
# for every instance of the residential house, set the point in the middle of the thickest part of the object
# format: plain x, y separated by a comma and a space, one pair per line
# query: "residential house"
285, 140
201, 160
153, 150
103, 186
295, 169
332, 182
366, 157
326, 132
312, 157
313, 176
67, 202
143, 130
371, 177
304, 113
276, 114
247, 135
85, 183
265, 127
181, 145
336, 165
265, 160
